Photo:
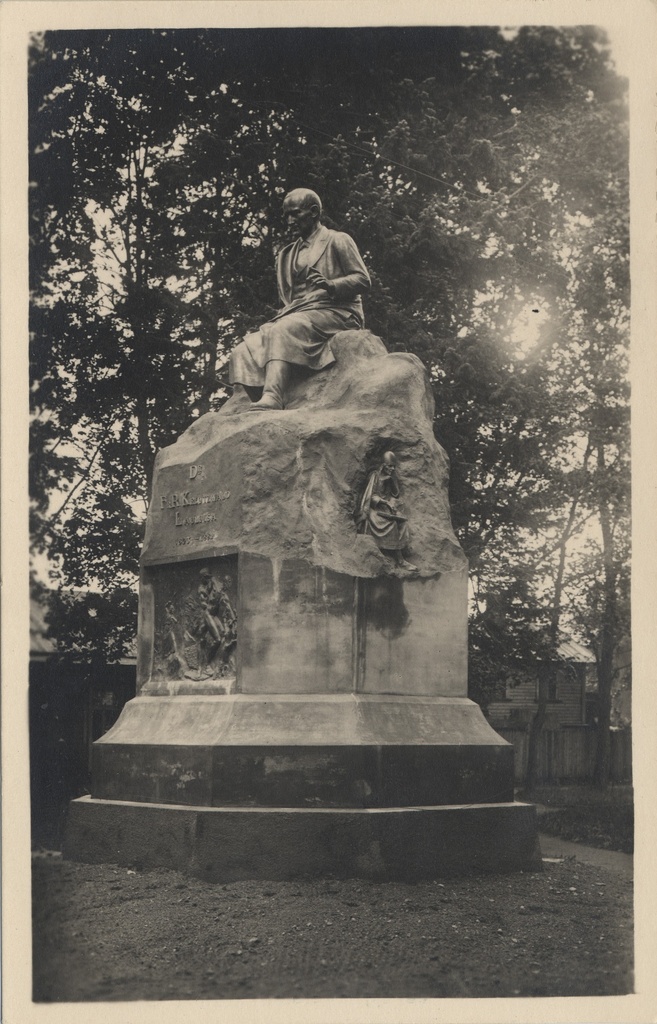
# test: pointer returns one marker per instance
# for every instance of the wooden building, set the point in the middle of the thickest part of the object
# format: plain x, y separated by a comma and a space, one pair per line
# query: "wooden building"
71, 704
571, 677
567, 743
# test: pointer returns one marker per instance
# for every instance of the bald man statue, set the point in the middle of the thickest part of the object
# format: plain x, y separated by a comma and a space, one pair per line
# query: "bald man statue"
320, 279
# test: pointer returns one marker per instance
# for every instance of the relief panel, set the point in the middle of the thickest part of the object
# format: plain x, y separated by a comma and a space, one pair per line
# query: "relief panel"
195, 620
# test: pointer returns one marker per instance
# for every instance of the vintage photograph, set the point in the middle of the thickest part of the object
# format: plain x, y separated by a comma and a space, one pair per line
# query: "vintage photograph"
330, 689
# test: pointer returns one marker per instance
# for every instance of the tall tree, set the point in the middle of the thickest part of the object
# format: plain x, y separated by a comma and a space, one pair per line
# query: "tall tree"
465, 162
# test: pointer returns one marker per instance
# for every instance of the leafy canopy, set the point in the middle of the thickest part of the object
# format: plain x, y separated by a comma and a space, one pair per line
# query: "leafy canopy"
483, 175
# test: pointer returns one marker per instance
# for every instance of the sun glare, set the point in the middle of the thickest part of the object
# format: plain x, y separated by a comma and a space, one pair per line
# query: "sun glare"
527, 327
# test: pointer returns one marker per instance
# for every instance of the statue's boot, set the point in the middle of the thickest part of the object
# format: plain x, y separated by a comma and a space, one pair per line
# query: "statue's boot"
253, 393
403, 563
277, 376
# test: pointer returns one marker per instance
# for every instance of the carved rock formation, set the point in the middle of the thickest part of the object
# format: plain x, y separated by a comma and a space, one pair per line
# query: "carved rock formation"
286, 484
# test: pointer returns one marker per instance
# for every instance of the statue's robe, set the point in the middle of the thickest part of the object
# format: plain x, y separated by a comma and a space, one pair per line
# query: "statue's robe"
389, 529
301, 331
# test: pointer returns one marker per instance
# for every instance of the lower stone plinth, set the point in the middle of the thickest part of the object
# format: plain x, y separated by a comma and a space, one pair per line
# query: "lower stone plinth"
290, 785
226, 844
309, 751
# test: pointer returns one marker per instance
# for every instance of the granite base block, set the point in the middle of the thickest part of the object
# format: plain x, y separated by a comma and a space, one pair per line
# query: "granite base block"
356, 776
226, 844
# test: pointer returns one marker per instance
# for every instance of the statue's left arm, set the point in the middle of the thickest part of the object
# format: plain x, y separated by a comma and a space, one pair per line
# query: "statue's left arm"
346, 274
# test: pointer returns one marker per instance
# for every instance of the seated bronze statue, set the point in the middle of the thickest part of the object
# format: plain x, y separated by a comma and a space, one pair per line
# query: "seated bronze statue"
320, 279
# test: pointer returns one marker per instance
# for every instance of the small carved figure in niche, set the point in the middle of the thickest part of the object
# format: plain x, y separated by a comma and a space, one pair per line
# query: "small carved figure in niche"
381, 514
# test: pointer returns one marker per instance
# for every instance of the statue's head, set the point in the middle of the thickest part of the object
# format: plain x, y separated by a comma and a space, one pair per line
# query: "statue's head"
389, 463
205, 574
302, 209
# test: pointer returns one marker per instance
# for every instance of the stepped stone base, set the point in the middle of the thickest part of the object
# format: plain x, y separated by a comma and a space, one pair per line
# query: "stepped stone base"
292, 785
303, 750
226, 844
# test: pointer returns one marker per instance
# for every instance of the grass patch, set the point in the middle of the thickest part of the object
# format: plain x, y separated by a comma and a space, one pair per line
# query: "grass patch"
608, 827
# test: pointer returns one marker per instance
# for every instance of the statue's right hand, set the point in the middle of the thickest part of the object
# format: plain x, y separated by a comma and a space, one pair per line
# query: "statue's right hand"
316, 279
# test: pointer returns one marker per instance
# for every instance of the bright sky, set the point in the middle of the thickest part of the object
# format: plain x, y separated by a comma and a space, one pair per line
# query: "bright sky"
621, 48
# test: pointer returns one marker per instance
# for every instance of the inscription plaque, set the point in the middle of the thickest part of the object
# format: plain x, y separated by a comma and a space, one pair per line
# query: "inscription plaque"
193, 513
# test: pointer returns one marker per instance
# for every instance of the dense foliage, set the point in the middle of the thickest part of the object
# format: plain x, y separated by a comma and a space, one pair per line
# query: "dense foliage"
484, 177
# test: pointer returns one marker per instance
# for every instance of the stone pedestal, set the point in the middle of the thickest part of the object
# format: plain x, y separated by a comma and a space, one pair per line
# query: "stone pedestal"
302, 701
230, 844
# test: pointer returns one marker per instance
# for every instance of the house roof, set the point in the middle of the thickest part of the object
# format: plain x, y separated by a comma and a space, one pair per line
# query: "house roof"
570, 650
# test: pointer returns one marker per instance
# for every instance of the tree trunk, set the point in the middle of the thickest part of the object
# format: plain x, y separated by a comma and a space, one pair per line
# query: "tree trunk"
143, 435
536, 727
602, 769
545, 670
607, 645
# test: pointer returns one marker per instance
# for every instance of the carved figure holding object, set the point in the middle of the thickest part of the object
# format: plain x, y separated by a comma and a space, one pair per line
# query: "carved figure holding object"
381, 514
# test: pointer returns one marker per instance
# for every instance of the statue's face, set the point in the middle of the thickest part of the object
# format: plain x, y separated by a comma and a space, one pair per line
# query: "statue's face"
300, 218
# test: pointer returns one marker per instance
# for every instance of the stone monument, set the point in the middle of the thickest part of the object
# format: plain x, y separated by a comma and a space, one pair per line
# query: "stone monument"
302, 668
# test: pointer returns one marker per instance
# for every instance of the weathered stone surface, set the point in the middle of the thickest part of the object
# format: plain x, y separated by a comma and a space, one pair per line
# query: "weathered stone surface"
228, 844
296, 628
294, 775
298, 750
306, 629
286, 484
241, 719
413, 635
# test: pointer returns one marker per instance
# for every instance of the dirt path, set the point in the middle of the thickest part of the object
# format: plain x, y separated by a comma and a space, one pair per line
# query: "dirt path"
620, 863
106, 933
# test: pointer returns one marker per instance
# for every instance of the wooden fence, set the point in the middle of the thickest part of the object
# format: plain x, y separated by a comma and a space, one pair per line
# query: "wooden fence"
568, 754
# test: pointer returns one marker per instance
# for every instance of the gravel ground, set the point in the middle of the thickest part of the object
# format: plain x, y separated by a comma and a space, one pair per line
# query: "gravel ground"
106, 933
